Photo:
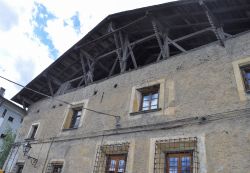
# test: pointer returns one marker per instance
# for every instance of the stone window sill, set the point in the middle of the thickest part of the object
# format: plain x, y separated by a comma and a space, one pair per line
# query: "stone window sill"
69, 129
143, 112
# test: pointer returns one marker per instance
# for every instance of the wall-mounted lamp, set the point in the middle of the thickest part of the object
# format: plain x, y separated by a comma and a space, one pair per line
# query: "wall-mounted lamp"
26, 149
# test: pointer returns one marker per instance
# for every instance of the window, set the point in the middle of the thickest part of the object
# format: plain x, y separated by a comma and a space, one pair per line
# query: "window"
4, 113
2, 135
176, 156
33, 131
73, 118
57, 168
112, 158
116, 164
19, 167
180, 162
149, 98
10, 119
245, 71
75, 121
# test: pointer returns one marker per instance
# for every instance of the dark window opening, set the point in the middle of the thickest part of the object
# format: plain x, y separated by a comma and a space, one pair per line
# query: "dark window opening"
76, 117
33, 131
19, 168
3, 136
4, 113
149, 98
57, 168
10, 119
245, 71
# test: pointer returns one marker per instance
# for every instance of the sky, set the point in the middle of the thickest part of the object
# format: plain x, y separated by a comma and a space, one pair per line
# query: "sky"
34, 33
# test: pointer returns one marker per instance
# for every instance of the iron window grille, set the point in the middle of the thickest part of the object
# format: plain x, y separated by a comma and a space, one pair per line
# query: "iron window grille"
54, 167
106, 153
176, 156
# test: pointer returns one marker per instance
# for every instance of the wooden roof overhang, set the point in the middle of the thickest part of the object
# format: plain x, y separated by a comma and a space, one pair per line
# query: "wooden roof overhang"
133, 39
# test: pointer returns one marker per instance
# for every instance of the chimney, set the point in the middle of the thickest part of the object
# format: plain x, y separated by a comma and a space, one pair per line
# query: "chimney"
2, 91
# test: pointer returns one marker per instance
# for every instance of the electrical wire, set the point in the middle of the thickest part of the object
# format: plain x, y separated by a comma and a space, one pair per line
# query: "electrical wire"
59, 100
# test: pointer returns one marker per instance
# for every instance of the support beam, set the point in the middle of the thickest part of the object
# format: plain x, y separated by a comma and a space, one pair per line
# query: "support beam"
215, 24
114, 31
94, 60
121, 52
159, 40
83, 69
164, 46
50, 87
53, 79
113, 67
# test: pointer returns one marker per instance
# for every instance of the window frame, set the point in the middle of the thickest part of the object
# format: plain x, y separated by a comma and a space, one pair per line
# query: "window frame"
150, 94
116, 157
55, 165
243, 70
31, 135
68, 114
136, 98
75, 116
10, 119
4, 113
18, 166
179, 154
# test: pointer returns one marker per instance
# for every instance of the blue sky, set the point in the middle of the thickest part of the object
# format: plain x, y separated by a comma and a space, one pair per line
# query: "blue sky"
34, 33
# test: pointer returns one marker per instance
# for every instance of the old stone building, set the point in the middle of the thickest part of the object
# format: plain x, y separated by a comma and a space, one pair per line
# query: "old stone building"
158, 89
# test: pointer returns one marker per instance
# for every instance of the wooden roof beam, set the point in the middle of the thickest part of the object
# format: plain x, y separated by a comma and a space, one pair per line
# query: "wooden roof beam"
215, 24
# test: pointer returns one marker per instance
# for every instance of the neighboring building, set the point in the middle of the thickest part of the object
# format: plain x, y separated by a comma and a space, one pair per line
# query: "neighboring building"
11, 116
158, 89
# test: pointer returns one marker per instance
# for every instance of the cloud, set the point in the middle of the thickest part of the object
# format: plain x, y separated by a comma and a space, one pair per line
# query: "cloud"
39, 19
8, 17
22, 55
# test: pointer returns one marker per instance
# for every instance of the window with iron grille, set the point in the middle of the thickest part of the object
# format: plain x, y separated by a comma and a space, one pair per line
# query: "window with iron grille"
111, 158
176, 156
55, 167
245, 71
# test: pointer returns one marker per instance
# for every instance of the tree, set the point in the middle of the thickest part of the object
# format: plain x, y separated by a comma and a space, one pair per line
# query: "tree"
6, 146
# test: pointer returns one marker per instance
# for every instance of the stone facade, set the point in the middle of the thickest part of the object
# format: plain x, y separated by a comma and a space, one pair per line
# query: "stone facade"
199, 97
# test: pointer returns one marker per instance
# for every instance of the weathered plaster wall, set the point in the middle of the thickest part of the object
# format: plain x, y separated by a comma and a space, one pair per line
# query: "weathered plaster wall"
201, 82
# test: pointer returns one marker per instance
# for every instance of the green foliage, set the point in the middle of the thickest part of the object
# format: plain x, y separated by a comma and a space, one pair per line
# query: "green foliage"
6, 146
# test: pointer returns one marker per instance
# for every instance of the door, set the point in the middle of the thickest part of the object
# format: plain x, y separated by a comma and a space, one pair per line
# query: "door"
116, 164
